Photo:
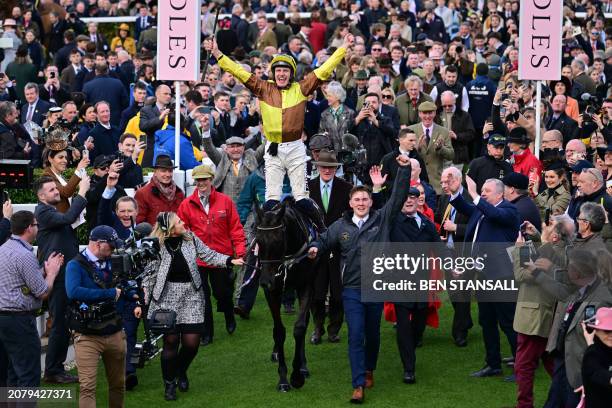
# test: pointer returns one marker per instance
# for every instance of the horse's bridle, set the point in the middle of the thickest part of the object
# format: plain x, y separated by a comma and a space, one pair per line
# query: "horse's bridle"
289, 260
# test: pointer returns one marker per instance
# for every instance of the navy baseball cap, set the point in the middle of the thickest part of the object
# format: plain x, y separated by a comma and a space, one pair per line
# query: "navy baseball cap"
581, 165
497, 140
414, 192
105, 233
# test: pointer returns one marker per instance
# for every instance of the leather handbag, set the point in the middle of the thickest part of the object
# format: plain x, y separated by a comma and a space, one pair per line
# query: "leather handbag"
162, 321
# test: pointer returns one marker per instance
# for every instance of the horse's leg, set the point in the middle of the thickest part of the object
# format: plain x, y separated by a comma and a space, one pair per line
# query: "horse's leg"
278, 333
300, 371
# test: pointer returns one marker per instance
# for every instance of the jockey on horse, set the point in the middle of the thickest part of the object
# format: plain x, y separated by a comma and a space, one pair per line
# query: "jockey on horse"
282, 104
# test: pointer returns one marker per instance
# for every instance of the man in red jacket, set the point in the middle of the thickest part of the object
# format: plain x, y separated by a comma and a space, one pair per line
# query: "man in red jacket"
160, 194
212, 217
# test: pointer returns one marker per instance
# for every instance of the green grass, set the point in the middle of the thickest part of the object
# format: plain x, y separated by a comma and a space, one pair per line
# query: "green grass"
236, 371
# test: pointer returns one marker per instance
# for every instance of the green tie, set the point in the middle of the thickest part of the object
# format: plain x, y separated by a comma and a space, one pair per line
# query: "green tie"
325, 197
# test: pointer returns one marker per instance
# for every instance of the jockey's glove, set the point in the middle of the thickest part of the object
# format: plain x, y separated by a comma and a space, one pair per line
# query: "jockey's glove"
273, 149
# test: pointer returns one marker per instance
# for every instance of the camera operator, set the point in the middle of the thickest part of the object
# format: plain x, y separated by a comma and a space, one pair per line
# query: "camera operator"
130, 172
96, 324
175, 284
24, 285
11, 146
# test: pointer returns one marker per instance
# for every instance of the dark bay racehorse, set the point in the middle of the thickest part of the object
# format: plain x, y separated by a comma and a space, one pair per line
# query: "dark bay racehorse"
282, 239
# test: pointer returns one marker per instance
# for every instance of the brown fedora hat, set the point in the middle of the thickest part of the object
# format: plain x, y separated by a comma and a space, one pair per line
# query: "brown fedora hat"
327, 158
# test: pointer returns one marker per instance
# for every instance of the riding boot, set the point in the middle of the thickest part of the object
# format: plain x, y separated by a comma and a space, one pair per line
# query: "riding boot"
313, 212
170, 390
270, 204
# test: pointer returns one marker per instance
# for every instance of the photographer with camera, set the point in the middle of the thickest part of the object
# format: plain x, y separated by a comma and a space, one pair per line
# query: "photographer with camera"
130, 172
102, 165
93, 318
566, 342
175, 285
374, 131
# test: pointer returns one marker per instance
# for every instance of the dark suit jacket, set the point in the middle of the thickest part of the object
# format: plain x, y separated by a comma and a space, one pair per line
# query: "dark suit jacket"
393, 113
149, 21
41, 108
60, 95
498, 225
460, 219
111, 90
463, 127
338, 199
149, 123
566, 125
55, 233
68, 78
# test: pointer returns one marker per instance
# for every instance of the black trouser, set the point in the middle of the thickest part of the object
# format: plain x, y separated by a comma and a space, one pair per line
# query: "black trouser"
328, 277
19, 338
491, 317
561, 394
222, 284
411, 319
59, 337
461, 301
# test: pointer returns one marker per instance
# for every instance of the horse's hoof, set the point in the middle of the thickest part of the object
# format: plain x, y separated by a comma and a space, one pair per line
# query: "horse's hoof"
297, 379
274, 357
305, 372
283, 387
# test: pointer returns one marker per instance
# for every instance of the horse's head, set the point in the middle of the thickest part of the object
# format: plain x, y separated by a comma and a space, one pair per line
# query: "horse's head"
271, 240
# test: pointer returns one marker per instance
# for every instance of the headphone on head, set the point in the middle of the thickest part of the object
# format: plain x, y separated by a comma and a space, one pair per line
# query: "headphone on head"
163, 220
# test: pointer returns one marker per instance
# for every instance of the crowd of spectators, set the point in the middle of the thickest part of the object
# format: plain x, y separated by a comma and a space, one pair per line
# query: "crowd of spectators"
436, 82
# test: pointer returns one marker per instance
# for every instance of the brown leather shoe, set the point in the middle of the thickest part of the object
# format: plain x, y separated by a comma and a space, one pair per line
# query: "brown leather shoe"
369, 379
358, 396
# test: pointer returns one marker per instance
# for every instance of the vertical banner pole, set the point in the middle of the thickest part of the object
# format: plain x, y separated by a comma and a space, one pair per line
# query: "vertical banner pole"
177, 123
538, 119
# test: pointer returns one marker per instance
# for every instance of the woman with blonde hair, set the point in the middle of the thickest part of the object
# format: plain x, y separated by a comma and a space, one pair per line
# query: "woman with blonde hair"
175, 284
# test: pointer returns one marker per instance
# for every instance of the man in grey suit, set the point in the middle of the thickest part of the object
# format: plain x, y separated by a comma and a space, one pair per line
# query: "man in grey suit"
234, 163
56, 234
152, 118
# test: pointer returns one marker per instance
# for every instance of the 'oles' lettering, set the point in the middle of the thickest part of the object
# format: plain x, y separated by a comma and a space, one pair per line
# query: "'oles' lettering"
541, 59
174, 61
172, 18
541, 7
175, 7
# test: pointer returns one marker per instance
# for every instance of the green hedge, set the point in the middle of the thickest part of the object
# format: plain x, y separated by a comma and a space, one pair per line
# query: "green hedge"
27, 196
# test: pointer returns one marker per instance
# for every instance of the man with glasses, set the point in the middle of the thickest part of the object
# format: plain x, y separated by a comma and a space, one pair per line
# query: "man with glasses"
23, 287
460, 128
591, 188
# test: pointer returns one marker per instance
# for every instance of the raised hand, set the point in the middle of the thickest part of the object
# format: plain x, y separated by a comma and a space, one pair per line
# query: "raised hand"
112, 179
376, 176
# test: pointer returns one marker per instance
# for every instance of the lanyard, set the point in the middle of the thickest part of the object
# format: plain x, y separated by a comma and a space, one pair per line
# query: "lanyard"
20, 243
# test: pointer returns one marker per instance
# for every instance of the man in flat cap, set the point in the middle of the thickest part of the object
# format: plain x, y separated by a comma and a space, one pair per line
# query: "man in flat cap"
433, 144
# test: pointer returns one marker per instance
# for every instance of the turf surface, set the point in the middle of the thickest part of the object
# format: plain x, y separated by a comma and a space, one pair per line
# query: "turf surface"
236, 371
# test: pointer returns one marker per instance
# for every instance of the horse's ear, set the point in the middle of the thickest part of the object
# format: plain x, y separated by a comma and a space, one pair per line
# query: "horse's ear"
259, 214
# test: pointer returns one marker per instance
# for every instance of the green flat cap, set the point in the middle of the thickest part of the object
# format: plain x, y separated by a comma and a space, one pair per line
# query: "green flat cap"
202, 172
428, 107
